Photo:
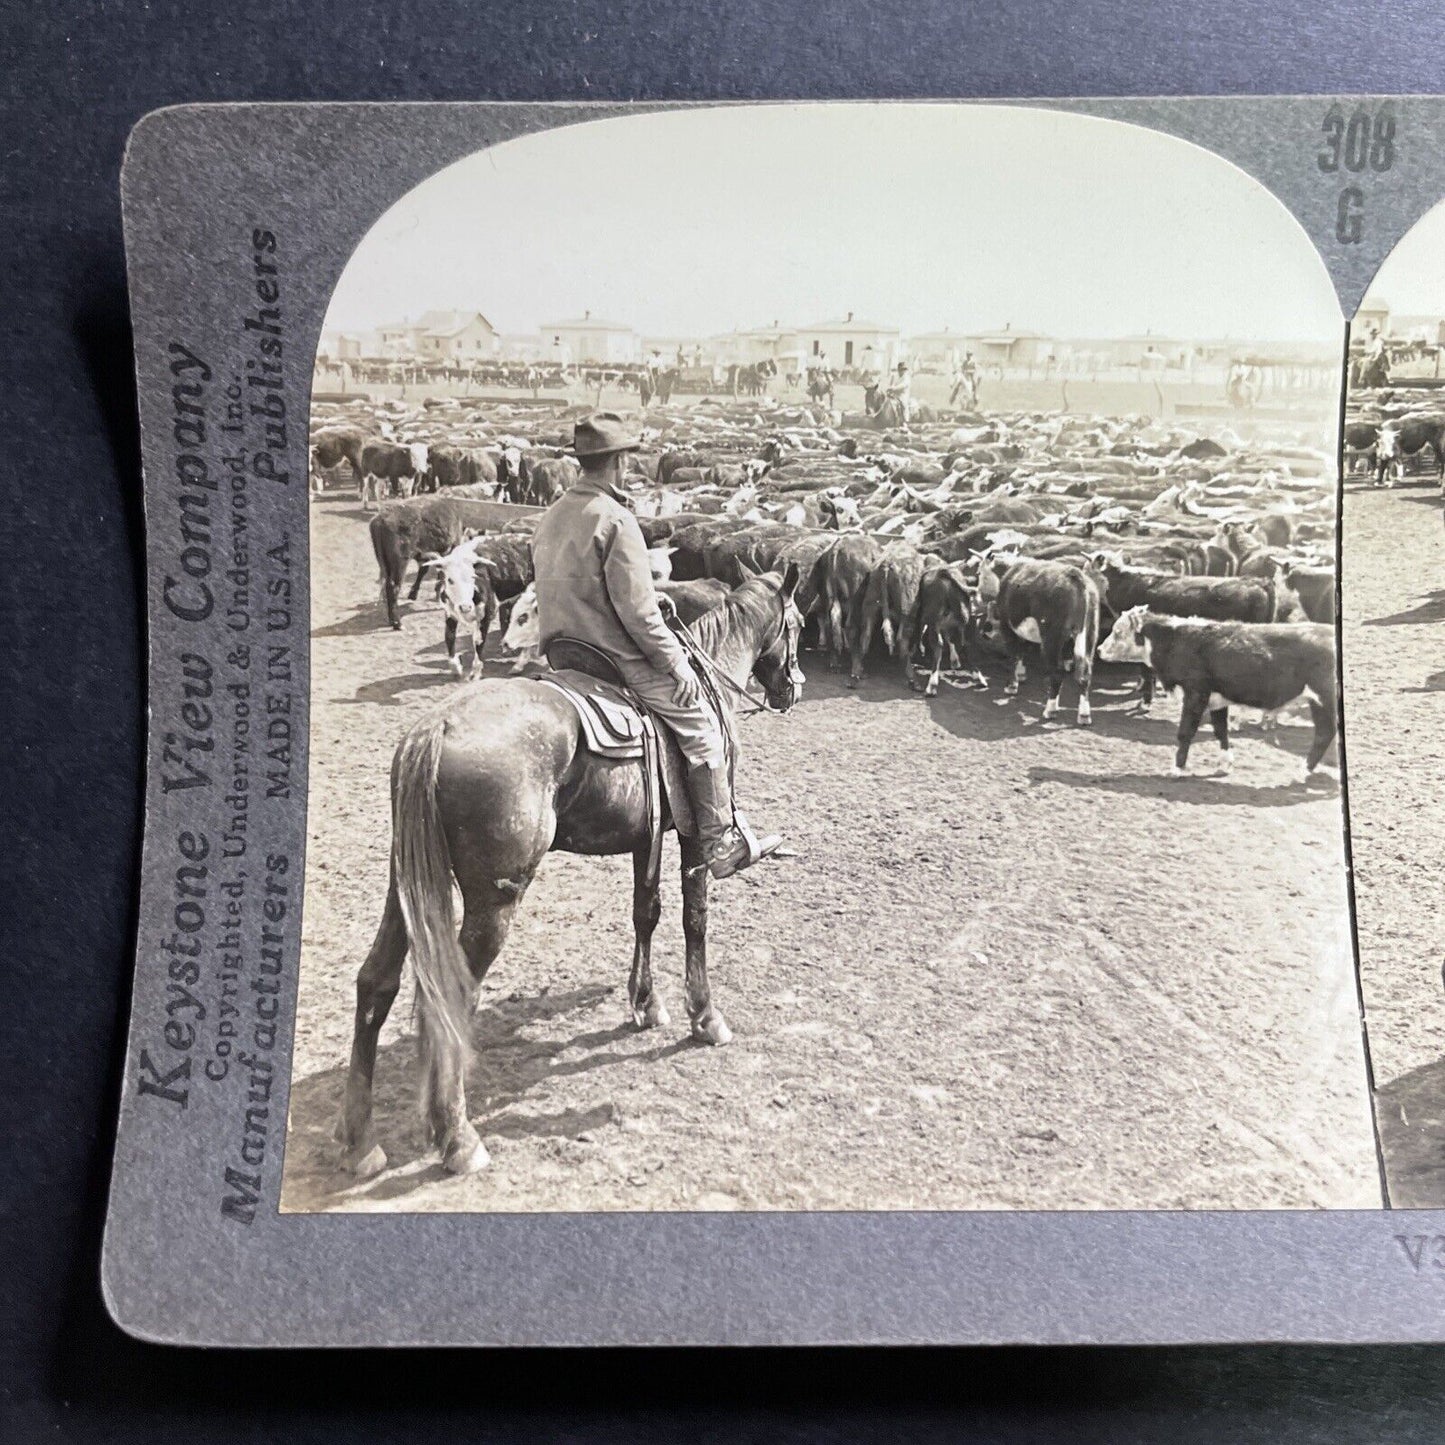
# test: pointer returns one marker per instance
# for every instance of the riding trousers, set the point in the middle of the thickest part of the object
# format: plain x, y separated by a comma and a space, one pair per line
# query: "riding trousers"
696, 728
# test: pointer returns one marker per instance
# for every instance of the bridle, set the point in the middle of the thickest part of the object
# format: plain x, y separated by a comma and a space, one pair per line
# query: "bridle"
715, 680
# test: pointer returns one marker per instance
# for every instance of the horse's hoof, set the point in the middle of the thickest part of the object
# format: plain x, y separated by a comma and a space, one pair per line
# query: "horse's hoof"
654, 1016
466, 1157
364, 1164
712, 1028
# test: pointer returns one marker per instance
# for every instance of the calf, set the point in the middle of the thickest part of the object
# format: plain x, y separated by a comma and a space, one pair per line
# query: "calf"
1358, 445
1315, 588
387, 465
946, 618
1053, 606
839, 577
465, 592
889, 601
1401, 439
1216, 664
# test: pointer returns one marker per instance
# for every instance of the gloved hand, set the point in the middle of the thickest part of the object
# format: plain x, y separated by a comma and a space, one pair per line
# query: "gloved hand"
686, 690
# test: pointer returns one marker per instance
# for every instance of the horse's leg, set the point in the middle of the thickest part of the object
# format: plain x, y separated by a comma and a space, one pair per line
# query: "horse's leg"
376, 989
708, 1024
485, 925
648, 1011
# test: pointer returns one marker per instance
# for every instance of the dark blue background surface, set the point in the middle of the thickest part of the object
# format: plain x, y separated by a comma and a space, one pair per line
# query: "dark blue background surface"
76, 78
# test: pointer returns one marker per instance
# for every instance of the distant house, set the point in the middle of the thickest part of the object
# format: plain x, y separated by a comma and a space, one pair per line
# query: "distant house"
588, 340
843, 342
1008, 347
455, 336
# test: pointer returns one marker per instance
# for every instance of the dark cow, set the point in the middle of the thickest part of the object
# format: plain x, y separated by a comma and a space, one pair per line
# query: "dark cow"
391, 467
533, 481
1221, 599
421, 527
1216, 664
333, 445
946, 619
1315, 588
733, 557
458, 467
839, 578
674, 459
1360, 440
888, 604
1053, 606
1407, 438
690, 544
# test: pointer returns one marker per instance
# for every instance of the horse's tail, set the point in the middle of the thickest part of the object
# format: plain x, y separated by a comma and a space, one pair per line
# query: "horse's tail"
423, 872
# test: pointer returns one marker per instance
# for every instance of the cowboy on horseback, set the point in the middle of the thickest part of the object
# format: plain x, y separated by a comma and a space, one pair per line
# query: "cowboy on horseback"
594, 585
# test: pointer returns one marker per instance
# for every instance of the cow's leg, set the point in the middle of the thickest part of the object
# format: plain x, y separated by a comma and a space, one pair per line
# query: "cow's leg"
1190, 716
454, 663
1219, 721
479, 641
708, 1024
1322, 713
648, 1011
907, 642
1055, 660
935, 663
389, 591
416, 582
376, 988
1146, 690
1084, 677
862, 641
1020, 672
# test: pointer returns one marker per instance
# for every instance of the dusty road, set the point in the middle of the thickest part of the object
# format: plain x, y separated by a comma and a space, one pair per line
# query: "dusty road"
1394, 666
1012, 967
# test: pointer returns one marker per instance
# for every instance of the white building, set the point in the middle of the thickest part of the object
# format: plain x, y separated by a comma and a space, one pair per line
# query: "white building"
589, 340
843, 342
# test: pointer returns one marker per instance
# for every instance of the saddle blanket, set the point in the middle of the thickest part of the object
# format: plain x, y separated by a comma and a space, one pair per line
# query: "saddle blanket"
612, 727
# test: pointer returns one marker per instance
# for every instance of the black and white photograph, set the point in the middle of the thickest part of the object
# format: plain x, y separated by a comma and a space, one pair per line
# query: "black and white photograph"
824, 692
1393, 602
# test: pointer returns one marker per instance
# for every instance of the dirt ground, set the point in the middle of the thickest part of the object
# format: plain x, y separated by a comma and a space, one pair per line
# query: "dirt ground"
1394, 668
1012, 967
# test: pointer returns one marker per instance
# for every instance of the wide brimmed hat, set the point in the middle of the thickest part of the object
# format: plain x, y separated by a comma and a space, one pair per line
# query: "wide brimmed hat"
602, 433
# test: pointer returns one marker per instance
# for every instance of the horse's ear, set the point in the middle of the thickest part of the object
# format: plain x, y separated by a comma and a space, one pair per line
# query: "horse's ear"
791, 578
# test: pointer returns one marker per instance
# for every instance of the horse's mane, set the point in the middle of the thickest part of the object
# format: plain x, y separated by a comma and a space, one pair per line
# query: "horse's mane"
746, 609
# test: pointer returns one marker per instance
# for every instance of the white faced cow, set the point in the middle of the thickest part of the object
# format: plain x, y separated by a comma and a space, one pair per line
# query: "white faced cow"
465, 593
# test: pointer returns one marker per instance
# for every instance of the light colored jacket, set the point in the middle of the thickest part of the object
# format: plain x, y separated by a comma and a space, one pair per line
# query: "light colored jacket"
594, 581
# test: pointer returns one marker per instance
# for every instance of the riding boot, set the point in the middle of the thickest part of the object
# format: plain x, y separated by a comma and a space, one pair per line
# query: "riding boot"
729, 844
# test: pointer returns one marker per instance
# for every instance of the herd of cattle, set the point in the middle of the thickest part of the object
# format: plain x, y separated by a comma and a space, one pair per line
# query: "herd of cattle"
1388, 431
1203, 561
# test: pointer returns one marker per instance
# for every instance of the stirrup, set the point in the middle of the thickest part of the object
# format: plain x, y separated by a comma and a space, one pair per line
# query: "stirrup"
748, 849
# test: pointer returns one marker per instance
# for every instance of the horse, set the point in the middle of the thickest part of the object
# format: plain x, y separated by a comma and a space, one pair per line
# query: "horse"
820, 387
481, 791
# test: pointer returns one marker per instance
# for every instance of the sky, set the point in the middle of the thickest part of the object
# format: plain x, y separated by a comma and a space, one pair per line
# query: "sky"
1412, 278
918, 216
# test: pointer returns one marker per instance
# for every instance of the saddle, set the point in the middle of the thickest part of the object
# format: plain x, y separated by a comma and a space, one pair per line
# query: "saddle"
616, 724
